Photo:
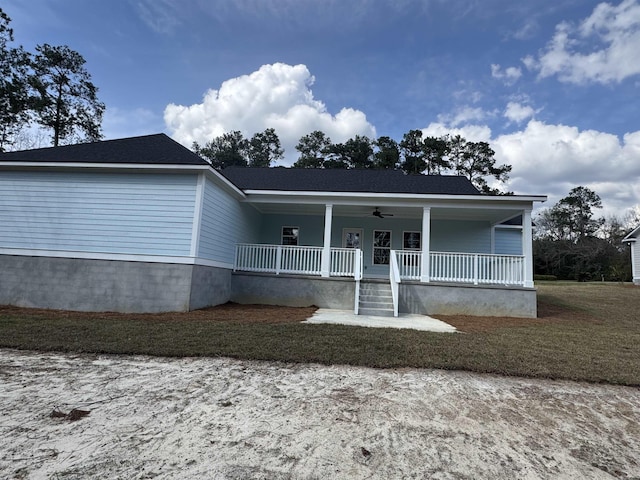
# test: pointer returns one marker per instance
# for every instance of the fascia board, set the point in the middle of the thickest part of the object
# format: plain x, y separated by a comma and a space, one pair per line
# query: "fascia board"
222, 181
632, 236
103, 166
272, 196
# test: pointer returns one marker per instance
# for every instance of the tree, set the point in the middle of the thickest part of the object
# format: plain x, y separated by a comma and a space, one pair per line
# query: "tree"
313, 150
388, 154
264, 148
65, 100
227, 150
435, 153
336, 156
412, 149
572, 217
14, 64
357, 152
475, 160
571, 244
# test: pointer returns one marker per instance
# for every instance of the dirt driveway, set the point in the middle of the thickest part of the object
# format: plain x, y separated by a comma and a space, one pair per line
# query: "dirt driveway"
221, 418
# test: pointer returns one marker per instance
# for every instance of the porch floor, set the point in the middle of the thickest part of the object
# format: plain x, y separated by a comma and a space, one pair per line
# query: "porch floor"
404, 320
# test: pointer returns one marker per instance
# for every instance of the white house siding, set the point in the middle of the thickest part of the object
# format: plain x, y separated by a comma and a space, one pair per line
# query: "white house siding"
124, 213
508, 241
225, 222
635, 260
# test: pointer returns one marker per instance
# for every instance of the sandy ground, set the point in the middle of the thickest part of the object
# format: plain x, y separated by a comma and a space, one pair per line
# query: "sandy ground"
221, 418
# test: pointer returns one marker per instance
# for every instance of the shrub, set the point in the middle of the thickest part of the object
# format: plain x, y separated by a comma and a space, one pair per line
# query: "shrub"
541, 278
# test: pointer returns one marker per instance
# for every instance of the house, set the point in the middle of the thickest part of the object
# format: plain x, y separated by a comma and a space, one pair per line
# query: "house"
145, 225
632, 239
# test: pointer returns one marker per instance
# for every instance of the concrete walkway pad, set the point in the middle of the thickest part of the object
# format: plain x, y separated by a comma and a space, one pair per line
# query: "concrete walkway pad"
405, 320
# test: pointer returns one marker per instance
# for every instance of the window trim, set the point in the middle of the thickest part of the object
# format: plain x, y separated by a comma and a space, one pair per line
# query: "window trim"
352, 230
404, 232
374, 247
282, 236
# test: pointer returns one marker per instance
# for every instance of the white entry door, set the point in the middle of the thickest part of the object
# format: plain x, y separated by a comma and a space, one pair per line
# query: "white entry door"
352, 238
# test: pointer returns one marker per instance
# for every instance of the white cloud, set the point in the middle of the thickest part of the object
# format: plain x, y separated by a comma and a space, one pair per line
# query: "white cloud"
517, 112
473, 133
509, 76
550, 159
159, 15
603, 48
464, 115
276, 96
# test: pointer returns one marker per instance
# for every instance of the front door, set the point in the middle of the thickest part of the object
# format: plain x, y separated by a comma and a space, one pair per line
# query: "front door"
352, 238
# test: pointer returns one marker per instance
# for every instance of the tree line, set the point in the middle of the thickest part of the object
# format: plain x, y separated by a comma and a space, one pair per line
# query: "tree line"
50, 88
571, 243
414, 154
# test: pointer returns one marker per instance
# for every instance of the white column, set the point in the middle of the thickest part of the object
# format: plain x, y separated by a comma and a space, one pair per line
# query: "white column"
325, 268
527, 247
426, 236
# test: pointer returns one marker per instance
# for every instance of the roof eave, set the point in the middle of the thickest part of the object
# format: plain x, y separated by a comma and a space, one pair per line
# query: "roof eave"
414, 196
632, 236
104, 166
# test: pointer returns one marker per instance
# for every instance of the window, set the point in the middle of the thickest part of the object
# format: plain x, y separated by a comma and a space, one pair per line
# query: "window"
381, 247
290, 235
351, 238
411, 241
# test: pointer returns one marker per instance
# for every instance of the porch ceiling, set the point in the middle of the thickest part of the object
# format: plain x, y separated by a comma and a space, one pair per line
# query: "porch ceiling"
489, 214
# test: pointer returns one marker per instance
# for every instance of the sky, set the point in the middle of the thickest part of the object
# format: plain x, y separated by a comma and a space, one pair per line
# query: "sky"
552, 85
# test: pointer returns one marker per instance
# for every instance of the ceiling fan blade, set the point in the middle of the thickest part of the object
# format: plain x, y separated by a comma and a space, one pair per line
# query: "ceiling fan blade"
379, 214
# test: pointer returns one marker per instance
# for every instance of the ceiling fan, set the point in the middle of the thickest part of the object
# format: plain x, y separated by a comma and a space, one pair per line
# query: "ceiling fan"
379, 214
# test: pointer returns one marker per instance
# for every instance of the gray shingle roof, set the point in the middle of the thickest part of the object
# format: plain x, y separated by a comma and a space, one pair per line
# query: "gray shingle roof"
149, 149
340, 180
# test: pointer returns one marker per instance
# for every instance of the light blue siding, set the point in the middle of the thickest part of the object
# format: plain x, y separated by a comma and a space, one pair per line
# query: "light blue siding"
225, 222
311, 229
460, 236
508, 241
128, 213
446, 235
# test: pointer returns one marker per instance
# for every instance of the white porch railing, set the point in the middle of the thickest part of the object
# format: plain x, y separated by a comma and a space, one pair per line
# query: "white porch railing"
451, 267
455, 267
278, 259
394, 280
345, 262
409, 264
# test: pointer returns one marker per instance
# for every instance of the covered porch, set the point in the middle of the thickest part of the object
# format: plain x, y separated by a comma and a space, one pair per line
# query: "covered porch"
486, 240
462, 242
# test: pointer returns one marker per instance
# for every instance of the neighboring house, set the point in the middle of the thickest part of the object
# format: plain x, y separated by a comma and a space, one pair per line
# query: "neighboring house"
632, 239
145, 225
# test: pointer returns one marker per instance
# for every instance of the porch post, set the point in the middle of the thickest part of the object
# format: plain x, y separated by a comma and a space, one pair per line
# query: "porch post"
426, 236
527, 247
325, 268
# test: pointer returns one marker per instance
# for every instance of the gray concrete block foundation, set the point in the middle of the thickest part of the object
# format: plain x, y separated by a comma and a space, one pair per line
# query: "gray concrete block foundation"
292, 290
484, 301
108, 285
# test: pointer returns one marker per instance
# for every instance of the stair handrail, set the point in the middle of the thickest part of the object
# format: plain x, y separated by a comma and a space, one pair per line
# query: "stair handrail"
357, 275
394, 280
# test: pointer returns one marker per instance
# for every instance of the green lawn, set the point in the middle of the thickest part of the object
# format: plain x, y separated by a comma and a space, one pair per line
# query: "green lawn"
586, 331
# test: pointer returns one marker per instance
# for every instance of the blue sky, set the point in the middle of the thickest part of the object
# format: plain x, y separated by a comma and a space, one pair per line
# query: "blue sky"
553, 86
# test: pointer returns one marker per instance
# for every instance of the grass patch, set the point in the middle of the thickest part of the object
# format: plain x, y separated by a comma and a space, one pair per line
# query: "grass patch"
586, 331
